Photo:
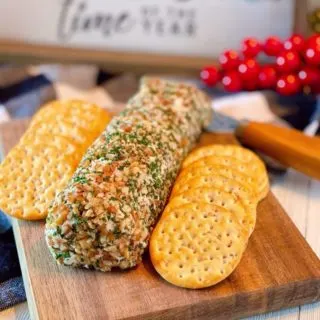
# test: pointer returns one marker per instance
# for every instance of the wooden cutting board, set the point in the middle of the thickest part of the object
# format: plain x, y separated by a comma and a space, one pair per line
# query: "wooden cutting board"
278, 270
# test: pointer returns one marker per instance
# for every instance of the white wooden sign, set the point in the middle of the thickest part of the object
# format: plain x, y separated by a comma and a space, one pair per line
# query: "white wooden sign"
182, 27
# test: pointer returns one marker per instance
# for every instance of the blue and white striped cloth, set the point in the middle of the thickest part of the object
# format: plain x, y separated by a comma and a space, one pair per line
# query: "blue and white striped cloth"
18, 99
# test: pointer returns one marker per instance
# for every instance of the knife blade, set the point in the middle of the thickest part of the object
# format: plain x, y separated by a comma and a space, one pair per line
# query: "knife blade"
288, 146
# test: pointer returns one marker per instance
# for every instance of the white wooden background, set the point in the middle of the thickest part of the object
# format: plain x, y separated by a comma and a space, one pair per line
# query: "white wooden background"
299, 195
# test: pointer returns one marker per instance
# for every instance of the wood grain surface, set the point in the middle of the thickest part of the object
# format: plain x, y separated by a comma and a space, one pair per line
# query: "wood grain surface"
116, 61
278, 270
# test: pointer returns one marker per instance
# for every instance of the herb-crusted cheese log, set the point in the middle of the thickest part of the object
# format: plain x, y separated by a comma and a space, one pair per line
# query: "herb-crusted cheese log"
104, 217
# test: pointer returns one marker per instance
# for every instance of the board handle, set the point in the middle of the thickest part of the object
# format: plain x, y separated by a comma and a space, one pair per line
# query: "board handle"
289, 146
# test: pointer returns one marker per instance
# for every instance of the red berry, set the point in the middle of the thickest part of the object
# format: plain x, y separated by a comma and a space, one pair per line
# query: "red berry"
249, 70
295, 42
229, 60
288, 61
309, 75
312, 55
267, 77
250, 85
251, 47
314, 40
288, 84
231, 81
209, 75
315, 88
273, 46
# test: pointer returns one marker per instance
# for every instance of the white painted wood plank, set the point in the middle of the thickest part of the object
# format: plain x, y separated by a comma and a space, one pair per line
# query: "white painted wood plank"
312, 312
18, 312
289, 314
312, 231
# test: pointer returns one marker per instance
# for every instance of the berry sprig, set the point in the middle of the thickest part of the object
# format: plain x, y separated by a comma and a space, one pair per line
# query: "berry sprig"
295, 66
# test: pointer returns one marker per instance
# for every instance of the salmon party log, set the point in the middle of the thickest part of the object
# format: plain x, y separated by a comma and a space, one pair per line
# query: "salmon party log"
104, 216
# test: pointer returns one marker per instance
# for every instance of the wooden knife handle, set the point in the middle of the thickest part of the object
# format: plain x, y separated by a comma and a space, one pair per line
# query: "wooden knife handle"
289, 146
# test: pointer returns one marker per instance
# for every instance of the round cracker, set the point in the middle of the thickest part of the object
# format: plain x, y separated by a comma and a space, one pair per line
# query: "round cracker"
245, 215
75, 134
223, 170
30, 177
231, 150
245, 193
79, 113
197, 245
255, 176
63, 144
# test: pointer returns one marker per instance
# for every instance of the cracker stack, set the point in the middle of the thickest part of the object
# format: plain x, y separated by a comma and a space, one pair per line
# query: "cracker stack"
211, 214
47, 155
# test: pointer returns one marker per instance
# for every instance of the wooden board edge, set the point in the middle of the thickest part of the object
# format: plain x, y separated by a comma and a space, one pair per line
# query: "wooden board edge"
243, 305
32, 305
11, 50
